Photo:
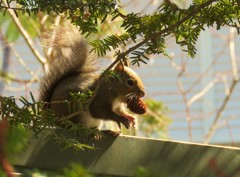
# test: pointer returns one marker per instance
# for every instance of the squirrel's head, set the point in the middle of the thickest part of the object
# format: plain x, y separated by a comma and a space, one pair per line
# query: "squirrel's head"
129, 82
126, 89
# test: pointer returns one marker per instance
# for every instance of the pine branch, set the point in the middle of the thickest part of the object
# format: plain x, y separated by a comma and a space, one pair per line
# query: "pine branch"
11, 8
35, 118
109, 43
170, 28
185, 24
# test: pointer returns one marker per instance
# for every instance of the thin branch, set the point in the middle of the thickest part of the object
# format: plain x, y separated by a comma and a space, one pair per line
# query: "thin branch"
184, 96
12, 79
230, 132
157, 116
6, 59
203, 74
27, 83
22, 62
69, 116
234, 26
44, 19
203, 91
230, 92
217, 57
10, 8
26, 37
232, 54
219, 113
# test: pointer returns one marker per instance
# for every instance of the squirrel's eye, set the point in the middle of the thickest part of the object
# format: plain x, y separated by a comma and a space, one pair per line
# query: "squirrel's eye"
130, 82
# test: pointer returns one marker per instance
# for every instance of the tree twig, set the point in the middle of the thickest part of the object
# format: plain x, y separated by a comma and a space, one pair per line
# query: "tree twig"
219, 113
203, 91
230, 92
232, 54
12, 8
22, 62
184, 96
26, 37
12, 79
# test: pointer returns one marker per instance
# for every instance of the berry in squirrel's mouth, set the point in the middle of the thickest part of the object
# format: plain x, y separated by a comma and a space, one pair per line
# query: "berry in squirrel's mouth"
136, 105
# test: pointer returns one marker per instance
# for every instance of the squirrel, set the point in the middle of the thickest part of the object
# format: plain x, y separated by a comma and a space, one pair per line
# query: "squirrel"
75, 70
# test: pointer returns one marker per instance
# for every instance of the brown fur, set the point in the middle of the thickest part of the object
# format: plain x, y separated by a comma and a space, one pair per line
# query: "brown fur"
71, 57
74, 70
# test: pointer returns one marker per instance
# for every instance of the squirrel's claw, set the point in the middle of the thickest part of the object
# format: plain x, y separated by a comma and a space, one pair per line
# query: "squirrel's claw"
119, 125
126, 122
111, 132
97, 137
131, 119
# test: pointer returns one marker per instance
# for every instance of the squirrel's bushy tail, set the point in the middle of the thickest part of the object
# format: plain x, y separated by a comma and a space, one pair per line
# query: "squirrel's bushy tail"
71, 56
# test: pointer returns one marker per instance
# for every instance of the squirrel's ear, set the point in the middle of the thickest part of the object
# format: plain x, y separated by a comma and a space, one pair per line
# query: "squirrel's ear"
119, 67
126, 62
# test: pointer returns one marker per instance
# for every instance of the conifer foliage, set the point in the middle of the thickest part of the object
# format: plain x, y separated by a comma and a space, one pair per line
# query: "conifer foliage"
147, 31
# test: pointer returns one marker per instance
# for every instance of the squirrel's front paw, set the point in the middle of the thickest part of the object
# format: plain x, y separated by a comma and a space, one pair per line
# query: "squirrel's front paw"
127, 121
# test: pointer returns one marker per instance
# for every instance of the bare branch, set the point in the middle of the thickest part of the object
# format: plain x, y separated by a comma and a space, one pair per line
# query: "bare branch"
12, 8
185, 101
203, 91
154, 114
219, 113
22, 62
26, 37
226, 85
12, 79
232, 53
228, 92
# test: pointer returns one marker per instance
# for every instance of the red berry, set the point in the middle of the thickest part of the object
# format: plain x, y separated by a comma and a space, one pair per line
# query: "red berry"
136, 105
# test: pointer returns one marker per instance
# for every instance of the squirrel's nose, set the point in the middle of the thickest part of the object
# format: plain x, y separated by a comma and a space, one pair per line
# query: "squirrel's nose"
141, 93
